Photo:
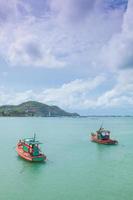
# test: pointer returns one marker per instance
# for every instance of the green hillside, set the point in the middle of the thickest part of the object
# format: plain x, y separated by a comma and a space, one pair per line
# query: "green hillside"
33, 108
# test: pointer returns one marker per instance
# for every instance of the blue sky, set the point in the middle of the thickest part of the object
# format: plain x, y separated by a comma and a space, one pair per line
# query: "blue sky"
76, 54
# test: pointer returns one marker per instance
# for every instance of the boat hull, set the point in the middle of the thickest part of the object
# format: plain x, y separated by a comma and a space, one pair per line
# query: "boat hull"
27, 156
107, 142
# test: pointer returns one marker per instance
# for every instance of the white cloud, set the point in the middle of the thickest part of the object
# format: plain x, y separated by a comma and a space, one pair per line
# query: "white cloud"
75, 41
25, 48
79, 94
118, 52
72, 11
120, 95
69, 95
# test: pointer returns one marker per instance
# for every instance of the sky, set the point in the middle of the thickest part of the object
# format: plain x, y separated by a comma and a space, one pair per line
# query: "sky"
76, 54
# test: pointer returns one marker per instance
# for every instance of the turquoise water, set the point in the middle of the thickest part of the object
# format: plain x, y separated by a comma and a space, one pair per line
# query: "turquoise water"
76, 168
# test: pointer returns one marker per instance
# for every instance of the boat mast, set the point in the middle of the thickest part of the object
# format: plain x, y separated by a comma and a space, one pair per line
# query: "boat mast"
101, 126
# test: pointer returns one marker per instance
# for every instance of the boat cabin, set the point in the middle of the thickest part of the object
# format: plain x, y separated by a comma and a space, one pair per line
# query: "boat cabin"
31, 146
103, 134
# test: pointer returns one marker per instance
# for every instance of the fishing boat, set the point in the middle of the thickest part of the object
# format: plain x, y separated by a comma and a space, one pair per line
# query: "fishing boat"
102, 136
29, 150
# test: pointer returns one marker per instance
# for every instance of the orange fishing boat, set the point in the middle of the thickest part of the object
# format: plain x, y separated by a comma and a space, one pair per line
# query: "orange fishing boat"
29, 150
102, 136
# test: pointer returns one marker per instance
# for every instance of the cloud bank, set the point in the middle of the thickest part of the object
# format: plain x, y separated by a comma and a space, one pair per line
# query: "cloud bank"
78, 94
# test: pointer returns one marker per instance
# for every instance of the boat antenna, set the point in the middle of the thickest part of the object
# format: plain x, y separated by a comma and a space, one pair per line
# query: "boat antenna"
101, 125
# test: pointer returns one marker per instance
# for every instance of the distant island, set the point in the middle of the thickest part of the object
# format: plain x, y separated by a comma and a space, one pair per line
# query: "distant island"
34, 108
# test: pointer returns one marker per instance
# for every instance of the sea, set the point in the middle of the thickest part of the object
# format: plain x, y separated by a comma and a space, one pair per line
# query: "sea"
76, 168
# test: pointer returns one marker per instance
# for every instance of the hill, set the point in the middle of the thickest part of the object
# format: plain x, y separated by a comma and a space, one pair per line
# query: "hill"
33, 108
